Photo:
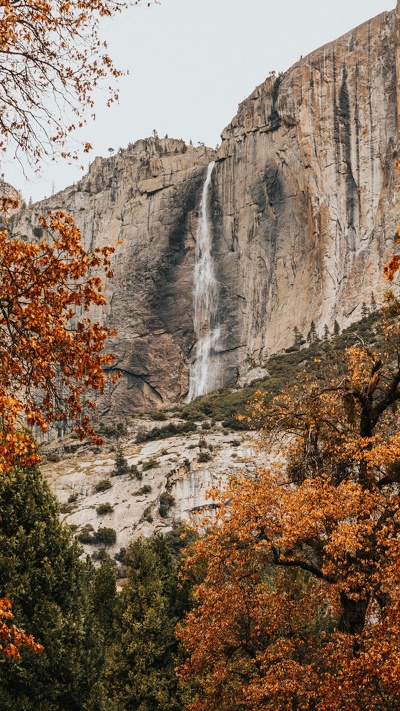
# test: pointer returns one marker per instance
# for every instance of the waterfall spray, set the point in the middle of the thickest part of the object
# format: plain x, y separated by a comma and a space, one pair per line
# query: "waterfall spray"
203, 372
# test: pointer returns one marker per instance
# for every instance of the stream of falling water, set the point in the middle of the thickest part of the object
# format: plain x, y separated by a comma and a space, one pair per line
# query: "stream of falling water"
203, 372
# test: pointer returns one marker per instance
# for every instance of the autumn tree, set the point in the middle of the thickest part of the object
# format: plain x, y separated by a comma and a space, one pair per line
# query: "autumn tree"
50, 351
12, 638
51, 61
326, 511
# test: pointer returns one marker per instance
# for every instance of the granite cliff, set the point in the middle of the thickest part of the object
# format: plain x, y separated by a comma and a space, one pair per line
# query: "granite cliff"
302, 210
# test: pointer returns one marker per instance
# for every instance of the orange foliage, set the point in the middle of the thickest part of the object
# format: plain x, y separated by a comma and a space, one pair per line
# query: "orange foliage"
50, 350
51, 61
299, 608
392, 267
11, 638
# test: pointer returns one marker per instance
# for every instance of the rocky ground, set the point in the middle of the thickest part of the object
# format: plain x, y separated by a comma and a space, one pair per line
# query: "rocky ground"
164, 483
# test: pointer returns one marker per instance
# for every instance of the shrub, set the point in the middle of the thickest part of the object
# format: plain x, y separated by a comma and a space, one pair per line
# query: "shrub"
150, 464
163, 432
72, 498
103, 509
85, 537
166, 501
143, 490
106, 536
120, 557
102, 485
53, 457
204, 457
233, 423
158, 415
134, 472
66, 508
109, 431
147, 515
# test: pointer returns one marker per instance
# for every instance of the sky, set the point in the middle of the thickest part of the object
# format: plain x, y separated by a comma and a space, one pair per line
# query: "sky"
190, 63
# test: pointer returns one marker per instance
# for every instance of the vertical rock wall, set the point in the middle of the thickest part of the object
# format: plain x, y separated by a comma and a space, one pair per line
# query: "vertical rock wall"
304, 212
144, 202
305, 192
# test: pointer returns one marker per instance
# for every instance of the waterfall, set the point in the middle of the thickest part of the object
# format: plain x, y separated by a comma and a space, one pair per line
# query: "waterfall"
204, 372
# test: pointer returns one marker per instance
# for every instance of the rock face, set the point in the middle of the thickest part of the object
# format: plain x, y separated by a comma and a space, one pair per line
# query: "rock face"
303, 211
171, 467
143, 201
305, 191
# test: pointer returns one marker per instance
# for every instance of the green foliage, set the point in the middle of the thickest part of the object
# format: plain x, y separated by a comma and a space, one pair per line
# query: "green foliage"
111, 431
53, 457
102, 485
158, 415
121, 464
104, 595
106, 536
166, 501
139, 672
103, 509
135, 472
150, 464
146, 489
167, 431
50, 587
204, 457
147, 515
66, 508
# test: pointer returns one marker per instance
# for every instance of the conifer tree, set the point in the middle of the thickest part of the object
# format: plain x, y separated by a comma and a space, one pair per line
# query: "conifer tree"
364, 310
139, 672
121, 463
297, 337
50, 587
312, 334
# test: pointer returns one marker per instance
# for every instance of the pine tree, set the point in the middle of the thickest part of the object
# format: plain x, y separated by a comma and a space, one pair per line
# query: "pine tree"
139, 673
336, 328
373, 304
50, 588
121, 464
312, 334
364, 310
297, 338
104, 595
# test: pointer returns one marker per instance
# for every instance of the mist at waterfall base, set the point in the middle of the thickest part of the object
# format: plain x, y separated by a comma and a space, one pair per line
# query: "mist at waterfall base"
204, 370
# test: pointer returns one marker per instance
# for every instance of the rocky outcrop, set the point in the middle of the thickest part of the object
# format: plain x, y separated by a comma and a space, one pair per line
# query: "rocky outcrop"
305, 193
93, 497
303, 211
142, 201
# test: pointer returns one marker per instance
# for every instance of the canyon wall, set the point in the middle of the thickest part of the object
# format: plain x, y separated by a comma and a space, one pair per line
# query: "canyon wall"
303, 211
305, 192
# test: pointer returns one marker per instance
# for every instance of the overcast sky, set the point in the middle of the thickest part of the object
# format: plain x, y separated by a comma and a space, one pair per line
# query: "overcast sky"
191, 62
